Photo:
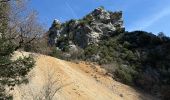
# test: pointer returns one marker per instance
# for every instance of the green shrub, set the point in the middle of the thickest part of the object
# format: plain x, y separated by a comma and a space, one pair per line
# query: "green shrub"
56, 53
91, 50
125, 74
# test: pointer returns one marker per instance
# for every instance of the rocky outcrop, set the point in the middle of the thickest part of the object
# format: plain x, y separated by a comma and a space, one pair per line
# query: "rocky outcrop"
54, 32
88, 30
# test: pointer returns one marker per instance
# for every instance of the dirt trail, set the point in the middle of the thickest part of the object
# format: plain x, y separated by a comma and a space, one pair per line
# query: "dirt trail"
78, 81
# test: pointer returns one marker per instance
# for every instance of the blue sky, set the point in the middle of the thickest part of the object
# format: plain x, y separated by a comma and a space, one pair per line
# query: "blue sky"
149, 15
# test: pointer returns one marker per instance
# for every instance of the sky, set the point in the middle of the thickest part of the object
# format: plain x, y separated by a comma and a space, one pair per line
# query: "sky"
147, 15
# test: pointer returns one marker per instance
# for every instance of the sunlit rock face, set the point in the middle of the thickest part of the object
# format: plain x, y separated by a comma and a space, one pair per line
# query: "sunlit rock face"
86, 31
54, 32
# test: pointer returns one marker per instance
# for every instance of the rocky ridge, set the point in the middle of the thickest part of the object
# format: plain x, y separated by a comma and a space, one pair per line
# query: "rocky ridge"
86, 31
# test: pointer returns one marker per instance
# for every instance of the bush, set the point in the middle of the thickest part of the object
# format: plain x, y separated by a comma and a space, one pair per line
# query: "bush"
56, 53
87, 20
111, 68
125, 74
90, 50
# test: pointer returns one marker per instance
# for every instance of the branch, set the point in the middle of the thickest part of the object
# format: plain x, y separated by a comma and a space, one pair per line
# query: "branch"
5, 64
59, 89
4, 1
21, 43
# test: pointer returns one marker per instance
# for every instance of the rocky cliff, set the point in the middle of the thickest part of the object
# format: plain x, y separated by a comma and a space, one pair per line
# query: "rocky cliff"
86, 31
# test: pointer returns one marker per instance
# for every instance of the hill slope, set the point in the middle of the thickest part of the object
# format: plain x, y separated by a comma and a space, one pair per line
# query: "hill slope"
135, 58
78, 81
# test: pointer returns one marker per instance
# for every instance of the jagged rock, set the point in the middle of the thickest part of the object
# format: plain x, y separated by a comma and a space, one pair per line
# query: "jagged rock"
95, 57
93, 38
101, 14
56, 21
54, 32
88, 30
97, 29
73, 48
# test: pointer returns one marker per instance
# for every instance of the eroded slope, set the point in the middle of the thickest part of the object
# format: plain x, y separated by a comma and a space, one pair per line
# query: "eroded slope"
62, 80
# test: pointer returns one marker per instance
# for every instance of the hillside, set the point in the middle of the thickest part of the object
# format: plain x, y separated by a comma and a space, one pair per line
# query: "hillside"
79, 81
91, 58
138, 58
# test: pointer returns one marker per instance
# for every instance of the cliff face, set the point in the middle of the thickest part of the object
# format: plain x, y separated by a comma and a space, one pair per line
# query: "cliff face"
86, 31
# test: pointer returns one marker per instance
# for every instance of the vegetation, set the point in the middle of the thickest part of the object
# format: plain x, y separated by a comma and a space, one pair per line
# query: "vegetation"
139, 58
142, 59
15, 34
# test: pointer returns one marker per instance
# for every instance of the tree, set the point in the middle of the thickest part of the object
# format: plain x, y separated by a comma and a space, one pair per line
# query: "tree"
13, 36
24, 26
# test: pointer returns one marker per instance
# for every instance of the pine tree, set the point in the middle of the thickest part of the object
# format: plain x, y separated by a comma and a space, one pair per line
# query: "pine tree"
12, 72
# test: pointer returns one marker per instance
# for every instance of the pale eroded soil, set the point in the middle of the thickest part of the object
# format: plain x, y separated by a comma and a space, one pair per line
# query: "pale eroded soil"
79, 81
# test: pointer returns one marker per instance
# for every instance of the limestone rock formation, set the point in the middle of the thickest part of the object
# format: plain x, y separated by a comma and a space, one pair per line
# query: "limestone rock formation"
86, 31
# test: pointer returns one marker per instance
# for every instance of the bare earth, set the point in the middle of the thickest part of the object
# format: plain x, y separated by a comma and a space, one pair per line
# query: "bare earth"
63, 80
